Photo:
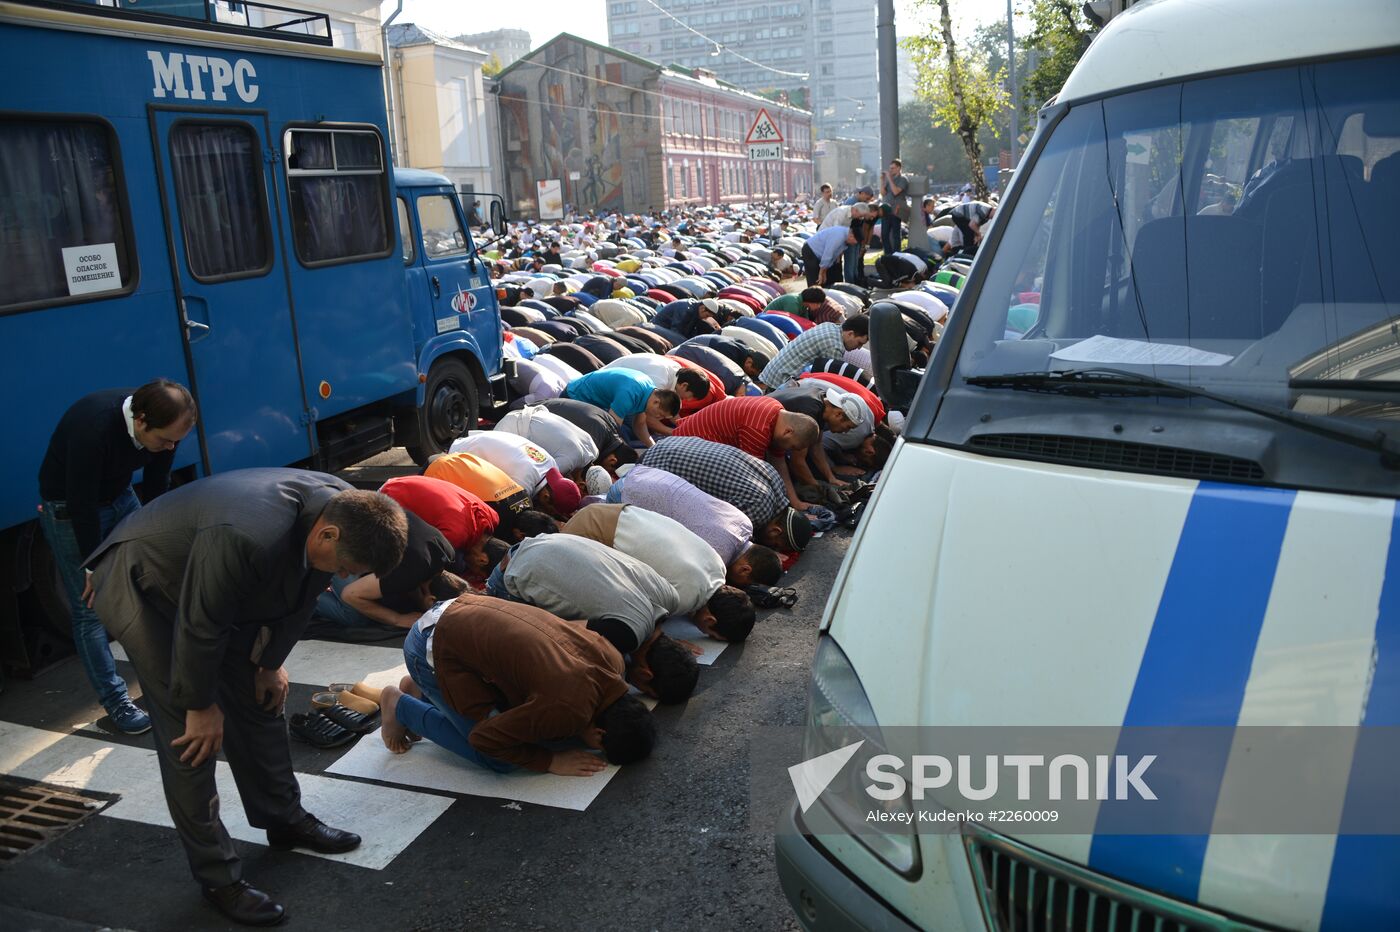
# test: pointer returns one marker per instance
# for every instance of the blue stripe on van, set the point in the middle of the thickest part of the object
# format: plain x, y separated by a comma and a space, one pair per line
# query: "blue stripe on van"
1193, 673
1363, 891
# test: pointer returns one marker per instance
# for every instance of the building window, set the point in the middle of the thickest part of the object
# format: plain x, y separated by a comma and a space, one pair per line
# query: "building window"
824, 25
60, 190
218, 170
827, 48
339, 194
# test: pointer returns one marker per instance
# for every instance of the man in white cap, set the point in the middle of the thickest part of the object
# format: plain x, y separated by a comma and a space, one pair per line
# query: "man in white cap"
684, 317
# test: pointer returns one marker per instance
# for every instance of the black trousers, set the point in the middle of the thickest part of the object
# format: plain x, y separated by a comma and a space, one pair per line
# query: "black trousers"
968, 234
812, 265
255, 741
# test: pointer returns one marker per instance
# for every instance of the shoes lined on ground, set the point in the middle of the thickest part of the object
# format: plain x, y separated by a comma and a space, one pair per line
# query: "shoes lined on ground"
344, 697
349, 719
319, 731
245, 904
129, 718
313, 834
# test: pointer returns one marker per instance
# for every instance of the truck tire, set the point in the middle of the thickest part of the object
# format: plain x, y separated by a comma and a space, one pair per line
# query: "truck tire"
449, 409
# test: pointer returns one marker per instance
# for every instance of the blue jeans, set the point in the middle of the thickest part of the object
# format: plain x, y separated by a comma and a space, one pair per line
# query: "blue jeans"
615, 492
89, 636
851, 263
434, 719
891, 234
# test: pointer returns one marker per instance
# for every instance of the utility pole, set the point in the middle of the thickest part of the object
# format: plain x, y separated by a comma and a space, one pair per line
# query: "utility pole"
889, 82
1015, 89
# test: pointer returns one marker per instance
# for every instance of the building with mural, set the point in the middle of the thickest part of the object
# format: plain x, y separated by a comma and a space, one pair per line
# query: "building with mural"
620, 132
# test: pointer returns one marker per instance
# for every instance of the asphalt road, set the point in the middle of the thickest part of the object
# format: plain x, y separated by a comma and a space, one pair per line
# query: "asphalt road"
667, 845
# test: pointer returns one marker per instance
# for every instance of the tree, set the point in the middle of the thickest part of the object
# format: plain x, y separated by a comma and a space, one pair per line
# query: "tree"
963, 92
1059, 35
493, 66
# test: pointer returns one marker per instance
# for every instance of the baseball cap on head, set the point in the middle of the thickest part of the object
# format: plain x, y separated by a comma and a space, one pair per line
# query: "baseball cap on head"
565, 491
845, 402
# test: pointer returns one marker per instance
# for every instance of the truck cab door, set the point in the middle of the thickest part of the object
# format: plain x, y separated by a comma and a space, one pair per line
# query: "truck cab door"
459, 286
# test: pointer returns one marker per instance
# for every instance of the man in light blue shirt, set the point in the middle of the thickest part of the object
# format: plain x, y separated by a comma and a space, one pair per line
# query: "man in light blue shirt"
822, 252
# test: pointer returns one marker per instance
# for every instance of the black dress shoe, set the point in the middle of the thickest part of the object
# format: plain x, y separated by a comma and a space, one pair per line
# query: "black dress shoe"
245, 905
313, 834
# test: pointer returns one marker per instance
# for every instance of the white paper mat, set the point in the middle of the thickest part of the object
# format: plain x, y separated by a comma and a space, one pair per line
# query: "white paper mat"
682, 629
429, 766
387, 819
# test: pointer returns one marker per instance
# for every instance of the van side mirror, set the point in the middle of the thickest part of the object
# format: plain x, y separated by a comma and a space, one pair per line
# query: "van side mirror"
889, 355
498, 218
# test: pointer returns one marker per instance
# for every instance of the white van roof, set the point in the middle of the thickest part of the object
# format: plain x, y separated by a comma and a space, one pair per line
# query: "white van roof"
1163, 40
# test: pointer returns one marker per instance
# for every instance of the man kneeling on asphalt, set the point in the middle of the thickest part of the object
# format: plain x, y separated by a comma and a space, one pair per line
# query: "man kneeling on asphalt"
678, 556
548, 679
619, 597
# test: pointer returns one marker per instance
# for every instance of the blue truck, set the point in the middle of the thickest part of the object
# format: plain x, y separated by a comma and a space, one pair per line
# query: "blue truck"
203, 191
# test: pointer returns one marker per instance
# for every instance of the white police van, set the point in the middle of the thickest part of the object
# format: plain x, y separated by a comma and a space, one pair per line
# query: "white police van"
1171, 502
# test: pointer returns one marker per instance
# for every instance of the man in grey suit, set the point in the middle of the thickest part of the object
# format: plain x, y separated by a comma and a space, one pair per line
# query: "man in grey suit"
208, 589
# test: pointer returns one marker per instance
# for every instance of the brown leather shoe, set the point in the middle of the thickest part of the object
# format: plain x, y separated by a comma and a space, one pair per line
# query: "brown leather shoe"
245, 904
313, 834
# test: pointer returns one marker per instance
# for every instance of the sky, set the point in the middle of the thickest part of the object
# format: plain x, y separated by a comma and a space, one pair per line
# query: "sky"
544, 19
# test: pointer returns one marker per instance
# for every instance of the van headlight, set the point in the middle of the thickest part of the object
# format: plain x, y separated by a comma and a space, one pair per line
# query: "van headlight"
838, 713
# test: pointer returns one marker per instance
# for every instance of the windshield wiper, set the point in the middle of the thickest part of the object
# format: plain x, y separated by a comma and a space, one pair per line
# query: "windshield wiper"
1102, 381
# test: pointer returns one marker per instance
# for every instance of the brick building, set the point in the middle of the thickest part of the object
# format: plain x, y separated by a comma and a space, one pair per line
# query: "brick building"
621, 132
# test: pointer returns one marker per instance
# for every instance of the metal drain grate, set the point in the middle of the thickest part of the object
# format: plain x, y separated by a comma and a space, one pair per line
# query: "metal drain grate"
32, 815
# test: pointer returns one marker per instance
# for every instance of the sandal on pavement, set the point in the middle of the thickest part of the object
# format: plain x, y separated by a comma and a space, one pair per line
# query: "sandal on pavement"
319, 731
350, 720
772, 596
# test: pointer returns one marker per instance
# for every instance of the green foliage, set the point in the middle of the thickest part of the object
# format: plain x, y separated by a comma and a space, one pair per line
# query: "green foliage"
963, 92
1059, 36
493, 66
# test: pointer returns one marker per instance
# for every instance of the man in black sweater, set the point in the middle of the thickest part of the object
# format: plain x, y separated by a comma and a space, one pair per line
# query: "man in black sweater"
85, 485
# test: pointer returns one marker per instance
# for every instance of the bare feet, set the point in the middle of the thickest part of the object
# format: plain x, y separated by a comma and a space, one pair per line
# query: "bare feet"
393, 732
406, 685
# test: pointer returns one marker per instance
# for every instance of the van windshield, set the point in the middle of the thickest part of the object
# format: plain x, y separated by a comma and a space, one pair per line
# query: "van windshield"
1238, 233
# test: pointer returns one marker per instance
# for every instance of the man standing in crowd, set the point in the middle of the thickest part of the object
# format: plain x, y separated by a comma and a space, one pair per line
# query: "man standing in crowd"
85, 487
823, 205
208, 589
894, 188
821, 255
969, 217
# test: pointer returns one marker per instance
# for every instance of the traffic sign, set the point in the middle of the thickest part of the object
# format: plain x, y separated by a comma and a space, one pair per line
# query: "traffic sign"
765, 152
764, 129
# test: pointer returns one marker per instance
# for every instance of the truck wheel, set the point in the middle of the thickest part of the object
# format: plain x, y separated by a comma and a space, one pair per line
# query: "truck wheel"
449, 409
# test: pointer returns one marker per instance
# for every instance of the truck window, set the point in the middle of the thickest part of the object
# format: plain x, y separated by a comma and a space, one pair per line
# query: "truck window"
223, 206
1231, 232
58, 190
406, 232
339, 194
442, 230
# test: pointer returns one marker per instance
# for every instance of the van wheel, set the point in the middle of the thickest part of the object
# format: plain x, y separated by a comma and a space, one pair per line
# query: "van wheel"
449, 409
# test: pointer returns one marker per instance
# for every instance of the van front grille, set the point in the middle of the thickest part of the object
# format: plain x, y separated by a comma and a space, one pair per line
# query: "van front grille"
1120, 454
1025, 890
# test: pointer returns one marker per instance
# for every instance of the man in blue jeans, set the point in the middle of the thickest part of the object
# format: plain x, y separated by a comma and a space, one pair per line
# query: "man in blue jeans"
499, 683
85, 487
